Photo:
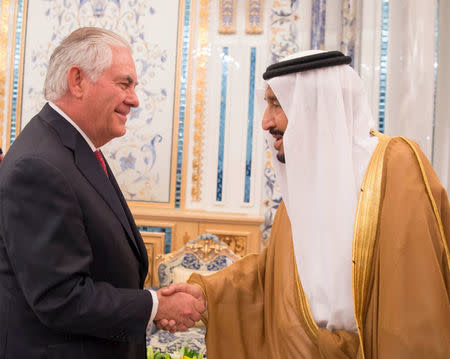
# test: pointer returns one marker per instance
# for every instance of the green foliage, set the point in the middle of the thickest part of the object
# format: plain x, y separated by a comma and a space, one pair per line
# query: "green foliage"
183, 353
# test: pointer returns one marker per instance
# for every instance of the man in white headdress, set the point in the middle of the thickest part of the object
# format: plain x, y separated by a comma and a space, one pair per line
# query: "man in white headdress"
358, 261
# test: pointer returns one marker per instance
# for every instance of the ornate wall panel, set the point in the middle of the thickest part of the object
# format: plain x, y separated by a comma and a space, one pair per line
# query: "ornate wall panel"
148, 160
227, 16
241, 232
284, 31
226, 156
154, 243
255, 17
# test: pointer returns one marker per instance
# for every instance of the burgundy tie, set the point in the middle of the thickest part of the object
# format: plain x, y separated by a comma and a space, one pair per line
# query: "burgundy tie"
101, 160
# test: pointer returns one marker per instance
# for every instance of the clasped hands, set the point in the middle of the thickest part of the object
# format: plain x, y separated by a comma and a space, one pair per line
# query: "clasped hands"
180, 307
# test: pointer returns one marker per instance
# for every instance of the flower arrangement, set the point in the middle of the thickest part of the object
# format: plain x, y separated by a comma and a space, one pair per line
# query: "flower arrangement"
183, 353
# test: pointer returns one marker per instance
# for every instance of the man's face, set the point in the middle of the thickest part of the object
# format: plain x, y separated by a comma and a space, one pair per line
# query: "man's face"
109, 100
275, 121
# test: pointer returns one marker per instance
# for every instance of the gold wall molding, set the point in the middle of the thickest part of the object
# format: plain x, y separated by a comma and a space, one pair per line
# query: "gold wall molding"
4, 20
227, 16
178, 76
255, 16
154, 244
186, 237
199, 110
12, 25
189, 224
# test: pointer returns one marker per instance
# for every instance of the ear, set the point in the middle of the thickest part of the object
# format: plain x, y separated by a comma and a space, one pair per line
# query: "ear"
75, 81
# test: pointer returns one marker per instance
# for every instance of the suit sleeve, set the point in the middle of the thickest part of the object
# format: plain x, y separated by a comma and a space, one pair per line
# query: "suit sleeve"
51, 256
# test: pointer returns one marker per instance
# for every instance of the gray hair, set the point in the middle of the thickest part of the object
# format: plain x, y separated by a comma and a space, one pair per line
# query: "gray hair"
87, 47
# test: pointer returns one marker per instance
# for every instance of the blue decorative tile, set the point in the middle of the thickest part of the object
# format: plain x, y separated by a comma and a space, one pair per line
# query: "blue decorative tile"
223, 104
16, 68
251, 99
166, 230
182, 109
383, 63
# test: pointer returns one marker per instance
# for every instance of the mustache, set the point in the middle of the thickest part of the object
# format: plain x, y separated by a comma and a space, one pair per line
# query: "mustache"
276, 132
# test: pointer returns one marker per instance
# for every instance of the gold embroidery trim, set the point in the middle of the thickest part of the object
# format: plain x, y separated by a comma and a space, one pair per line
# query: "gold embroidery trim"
365, 231
430, 195
305, 311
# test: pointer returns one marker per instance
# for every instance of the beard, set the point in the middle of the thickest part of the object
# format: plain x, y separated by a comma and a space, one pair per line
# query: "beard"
281, 157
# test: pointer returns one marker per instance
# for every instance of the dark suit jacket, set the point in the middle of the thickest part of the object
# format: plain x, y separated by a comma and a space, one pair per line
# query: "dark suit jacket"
72, 261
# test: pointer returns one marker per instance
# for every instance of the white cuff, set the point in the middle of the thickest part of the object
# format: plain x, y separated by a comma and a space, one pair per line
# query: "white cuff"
155, 306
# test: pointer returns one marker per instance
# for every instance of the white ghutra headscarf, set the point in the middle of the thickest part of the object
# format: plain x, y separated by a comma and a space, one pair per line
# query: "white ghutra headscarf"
327, 147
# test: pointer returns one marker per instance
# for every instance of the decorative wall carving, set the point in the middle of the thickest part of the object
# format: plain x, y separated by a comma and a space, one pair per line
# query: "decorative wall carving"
227, 16
255, 17
186, 237
154, 243
199, 109
243, 231
237, 244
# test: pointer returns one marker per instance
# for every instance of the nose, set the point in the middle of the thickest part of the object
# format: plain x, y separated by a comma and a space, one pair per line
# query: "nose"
267, 121
132, 98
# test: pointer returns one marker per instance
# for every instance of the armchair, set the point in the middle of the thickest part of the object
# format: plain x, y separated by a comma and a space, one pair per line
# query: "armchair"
205, 255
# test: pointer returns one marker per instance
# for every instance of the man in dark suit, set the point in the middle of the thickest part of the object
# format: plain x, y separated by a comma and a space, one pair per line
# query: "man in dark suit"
72, 262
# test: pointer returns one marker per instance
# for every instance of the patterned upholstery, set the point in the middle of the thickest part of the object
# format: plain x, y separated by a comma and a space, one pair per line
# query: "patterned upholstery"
167, 342
206, 253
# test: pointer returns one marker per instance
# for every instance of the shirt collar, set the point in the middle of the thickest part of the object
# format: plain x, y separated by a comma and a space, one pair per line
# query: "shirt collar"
63, 114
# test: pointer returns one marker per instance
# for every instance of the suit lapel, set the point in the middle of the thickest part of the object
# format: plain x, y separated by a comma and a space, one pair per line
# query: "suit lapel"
87, 163
137, 235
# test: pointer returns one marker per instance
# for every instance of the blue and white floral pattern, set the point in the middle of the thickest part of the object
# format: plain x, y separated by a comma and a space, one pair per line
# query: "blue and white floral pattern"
318, 24
141, 160
348, 35
284, 20
218, 263
185, 258
190, 261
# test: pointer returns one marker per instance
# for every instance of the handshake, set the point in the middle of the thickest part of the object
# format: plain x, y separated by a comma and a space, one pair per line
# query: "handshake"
180, 307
